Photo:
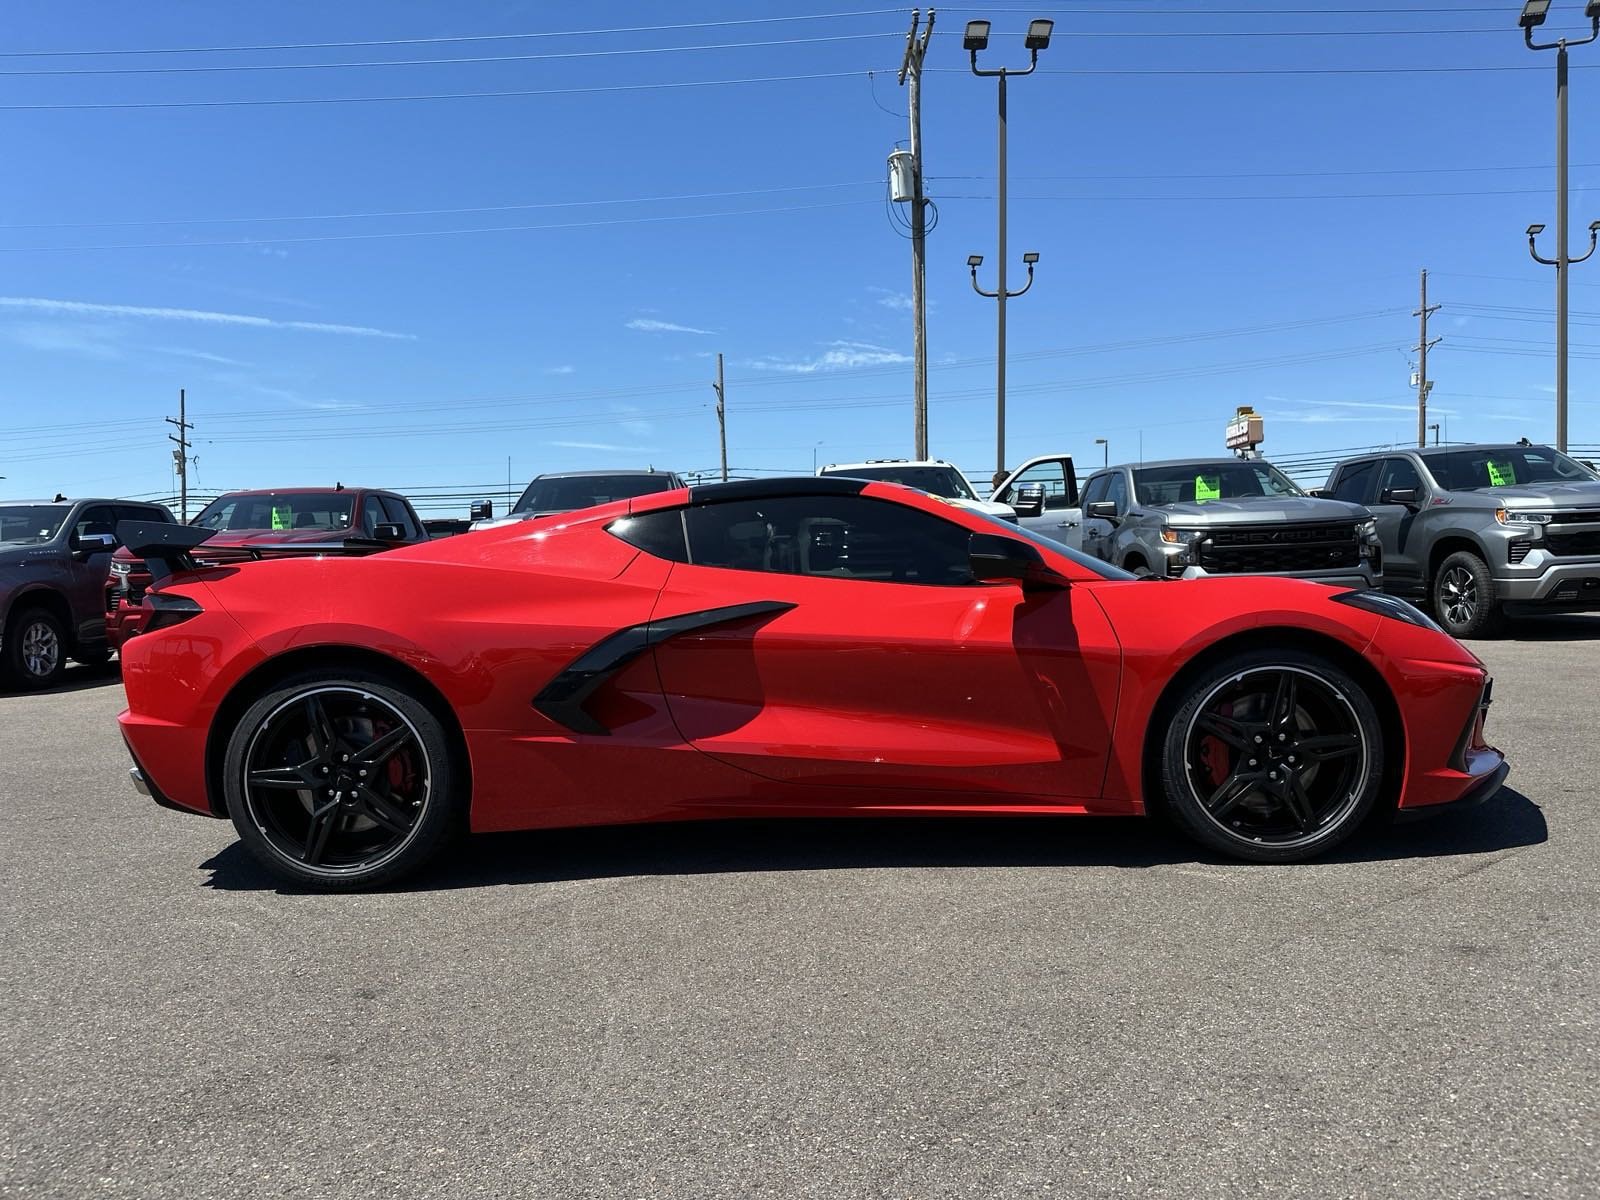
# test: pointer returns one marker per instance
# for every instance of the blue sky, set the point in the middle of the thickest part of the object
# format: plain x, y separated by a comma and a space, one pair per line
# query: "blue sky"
410, 292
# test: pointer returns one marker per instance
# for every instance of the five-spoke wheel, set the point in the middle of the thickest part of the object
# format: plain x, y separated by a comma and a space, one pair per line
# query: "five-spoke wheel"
340, 780
1273, 756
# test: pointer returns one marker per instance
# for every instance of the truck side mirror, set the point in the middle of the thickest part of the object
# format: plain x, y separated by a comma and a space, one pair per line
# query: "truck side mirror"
1029, 501
1401, 495
388, 531
86, 544
1104, 510
482, 510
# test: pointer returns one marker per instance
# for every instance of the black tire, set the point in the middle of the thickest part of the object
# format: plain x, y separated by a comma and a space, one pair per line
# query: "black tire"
383, 790
97, 656
35, 652
1136, 565
1287, 749
1465, 599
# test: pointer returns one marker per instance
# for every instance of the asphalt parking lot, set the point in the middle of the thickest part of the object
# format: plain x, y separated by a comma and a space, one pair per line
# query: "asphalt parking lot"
927, 1009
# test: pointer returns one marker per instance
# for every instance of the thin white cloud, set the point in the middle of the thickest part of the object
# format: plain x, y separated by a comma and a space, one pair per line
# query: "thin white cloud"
838, 356
91, 341
200, 356
81, 308
898, 301
606, 446
564, 369
651, 325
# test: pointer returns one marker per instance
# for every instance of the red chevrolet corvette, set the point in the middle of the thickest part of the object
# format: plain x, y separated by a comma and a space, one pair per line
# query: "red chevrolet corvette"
816, 646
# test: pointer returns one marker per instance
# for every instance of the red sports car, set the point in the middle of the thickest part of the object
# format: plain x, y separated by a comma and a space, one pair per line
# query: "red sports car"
795, 647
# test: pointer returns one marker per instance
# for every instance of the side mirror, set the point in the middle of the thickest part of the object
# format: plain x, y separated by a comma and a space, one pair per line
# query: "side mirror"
93, 543
998, 558
388, 531
1029, 501
1406, 496
1320, 493
482, 510
1105, 510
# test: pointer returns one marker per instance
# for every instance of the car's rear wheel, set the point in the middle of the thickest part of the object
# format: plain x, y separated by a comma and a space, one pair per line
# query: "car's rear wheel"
342, 780
1273, 756
1464, 597
35, 649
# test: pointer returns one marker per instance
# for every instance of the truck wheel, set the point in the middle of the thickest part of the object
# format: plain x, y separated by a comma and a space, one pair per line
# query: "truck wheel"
1135, 564
35, 652
1465, 599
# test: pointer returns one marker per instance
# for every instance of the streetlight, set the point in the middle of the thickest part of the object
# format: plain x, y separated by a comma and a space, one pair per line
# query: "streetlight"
1105, 455
1533, 15
976, 39
1435, 429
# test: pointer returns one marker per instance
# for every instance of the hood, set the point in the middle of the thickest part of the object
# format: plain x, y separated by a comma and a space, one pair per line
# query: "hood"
992, 508
1244, 509
1577, 494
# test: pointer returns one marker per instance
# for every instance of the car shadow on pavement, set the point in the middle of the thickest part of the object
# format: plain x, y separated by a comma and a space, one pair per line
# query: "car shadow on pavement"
720, 847
76, 678
1557, 627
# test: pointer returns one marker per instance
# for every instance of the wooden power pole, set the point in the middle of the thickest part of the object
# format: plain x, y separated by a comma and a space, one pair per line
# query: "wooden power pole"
911, 76
1424, 385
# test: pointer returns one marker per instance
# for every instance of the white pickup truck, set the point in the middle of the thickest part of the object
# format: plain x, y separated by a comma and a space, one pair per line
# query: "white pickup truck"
1061, 518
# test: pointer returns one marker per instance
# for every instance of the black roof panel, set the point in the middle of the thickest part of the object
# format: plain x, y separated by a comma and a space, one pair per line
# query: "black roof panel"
772, 489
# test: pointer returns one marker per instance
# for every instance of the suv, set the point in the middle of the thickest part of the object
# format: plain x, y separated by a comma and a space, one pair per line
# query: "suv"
1472, 530
1058, 518
568, 491
1226, 516
54, 556
291, 521
931, 475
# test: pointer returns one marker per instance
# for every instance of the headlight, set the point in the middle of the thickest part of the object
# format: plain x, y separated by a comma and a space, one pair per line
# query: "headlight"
1509, 516
121, 568
1367, 531
1179, 537
1389, 606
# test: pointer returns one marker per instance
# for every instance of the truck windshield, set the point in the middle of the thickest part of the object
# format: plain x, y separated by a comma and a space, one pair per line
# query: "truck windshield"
30, 524
1190, 483
278, 511
585, 491
936, 481
1504, 466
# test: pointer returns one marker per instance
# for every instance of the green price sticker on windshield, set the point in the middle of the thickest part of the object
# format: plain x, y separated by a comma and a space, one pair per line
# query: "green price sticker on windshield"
282, 518
1208, 487
1501, 474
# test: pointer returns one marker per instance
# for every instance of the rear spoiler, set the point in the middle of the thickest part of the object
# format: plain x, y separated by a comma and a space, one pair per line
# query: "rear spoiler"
165, 547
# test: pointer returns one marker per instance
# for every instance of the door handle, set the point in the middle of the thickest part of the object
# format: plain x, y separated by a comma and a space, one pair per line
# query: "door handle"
1068, 525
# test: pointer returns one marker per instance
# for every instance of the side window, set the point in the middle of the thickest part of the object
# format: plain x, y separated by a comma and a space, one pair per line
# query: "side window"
141, 512
1355, 482
1052, 475
1117, 493
400, 515
98, 518
657, 533
1096, 490
847, 537
1399, 473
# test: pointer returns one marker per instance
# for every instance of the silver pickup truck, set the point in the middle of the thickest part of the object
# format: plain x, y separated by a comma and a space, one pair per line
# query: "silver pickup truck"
1476, 531
1225, 516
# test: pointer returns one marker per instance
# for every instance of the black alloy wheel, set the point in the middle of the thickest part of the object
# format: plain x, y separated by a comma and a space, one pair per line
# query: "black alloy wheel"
35, 649
1464, 597
1273, 757
341, 782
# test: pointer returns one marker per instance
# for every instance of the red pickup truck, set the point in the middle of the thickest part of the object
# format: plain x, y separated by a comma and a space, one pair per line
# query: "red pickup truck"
256, 524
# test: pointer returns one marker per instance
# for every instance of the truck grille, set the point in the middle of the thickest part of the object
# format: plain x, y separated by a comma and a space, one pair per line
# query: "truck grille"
1574, 544
1271, 549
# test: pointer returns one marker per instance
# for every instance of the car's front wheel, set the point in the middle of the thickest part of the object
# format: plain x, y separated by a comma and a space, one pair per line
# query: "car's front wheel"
35, 652
342, 780
1464, 597
1273, 756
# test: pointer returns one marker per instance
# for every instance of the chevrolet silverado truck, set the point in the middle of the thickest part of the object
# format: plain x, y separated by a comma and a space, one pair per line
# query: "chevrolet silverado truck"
256, 524
54, 559
1225, 516
1480, 531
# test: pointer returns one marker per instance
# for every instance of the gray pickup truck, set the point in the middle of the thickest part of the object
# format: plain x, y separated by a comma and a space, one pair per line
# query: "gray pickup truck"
55, 559
1477, 531
1225, 516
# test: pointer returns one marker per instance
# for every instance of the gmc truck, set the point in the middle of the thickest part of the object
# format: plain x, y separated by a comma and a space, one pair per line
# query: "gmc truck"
1477, 532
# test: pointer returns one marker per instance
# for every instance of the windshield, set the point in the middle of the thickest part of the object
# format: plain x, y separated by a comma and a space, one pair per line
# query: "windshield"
278, 511
936, 481
1504, 466
1196, 483
1103, 569
30, 524
586, 491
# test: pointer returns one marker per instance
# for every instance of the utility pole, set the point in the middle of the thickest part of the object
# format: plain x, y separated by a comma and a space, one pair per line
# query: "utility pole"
722, 418
1424, 386
911, 74
180, 456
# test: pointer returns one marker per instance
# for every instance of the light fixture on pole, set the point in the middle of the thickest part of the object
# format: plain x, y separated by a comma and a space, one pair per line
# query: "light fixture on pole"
976, 39
1105, 454
1533, 15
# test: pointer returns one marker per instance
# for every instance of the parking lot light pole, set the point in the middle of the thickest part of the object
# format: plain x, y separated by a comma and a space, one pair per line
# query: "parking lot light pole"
1534, 13
1105, 452
976, 39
